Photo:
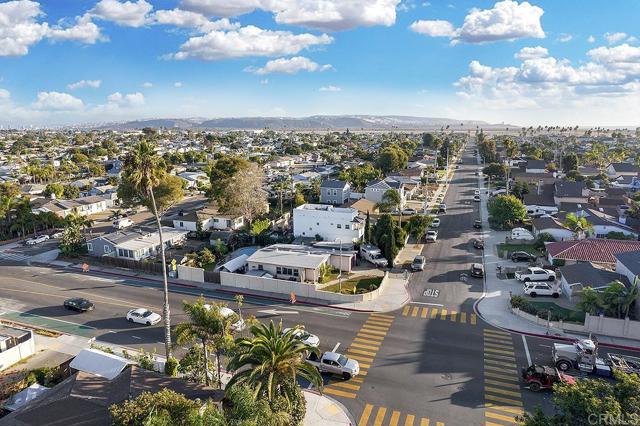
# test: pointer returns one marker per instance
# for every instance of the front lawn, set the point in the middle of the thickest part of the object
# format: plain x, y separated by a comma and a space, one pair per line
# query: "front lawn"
510, 248
361, 285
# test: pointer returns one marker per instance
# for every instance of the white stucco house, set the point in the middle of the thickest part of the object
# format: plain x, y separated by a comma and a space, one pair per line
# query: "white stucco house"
329, 222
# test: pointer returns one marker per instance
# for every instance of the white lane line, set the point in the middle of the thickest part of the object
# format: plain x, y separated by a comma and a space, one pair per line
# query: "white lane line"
426, 303
136, 337
52, 319
526, 350
335, 348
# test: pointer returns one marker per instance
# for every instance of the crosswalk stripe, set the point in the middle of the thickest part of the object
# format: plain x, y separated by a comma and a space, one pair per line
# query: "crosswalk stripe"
424, 312
497, 356
499, 351
375, 321
338, 392
498, 339
414, 312
503, 384
474, 319
365, 334
498, 332
405, 311
364, 365
361, 352
434, 313
395, 416
376, 327
502, 417
512, 410
443, 314
507, 401
366, 329
346, 385
502, 391
501, 376
424, 422
361, 358
357, 379
487, 423
369, 345
495, 344
382, 411
500, 363
453, 316
382, 316
409, 420
364, 418
500, 369
362, 372
463, 317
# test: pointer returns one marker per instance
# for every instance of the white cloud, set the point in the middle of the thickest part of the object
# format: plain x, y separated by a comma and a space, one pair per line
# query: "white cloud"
125, 101
531, 53
128, 13
94, 84
83, 31
147, 85
326, 15
507, 20
4, 95
18, 27
289, 66
591, 39
177, 84
264, 81
614, 37
435, 28
57, 101
247, 41
564, 37
330, 88
189, 19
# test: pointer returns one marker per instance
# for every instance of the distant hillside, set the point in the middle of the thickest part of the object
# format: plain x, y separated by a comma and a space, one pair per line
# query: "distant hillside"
316, 122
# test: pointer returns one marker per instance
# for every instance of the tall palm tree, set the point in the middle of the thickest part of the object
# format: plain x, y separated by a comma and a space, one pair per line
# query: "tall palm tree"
271, 361
589, 301
614, 298
143, 168
578, 224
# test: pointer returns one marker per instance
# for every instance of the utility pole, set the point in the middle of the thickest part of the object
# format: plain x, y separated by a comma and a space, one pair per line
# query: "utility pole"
340, 274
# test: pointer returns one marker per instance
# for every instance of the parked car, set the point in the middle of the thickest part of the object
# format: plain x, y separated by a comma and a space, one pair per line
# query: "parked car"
442, 208
477, 224
435, 223
79, 304
522, 256
431, 236
540, 377
479, 244
418, 263
477, 270
476, 198
122, 223
143, 316
37, 240
304, 336
57, 235
409, 211
374, 255
476, 192
226, 313
535, 274
335, 363
541, 289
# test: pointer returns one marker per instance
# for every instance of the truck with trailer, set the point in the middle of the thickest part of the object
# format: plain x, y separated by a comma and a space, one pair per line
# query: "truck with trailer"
582, 355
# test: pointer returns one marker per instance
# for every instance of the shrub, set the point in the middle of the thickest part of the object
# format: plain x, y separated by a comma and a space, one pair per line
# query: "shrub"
171, 367
543, 237
45, 376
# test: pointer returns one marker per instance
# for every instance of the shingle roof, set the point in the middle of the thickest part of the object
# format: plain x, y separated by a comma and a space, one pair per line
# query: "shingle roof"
631, 260
625, 167
333, 183
569, 189
588, 276
536, 164
591, 249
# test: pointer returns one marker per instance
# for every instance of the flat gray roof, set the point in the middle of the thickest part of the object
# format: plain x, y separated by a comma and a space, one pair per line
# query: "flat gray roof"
275, 256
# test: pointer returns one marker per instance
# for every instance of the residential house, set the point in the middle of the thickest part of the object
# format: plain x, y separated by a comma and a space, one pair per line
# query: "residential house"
622, 169
84, 206
16, 344
32, 189
578, 276
375, 190
194, 179
108, 192
552, 226
329, 222
595, 250
570, 192
540, 201
210, 218
535, 166
334, 192
134, 243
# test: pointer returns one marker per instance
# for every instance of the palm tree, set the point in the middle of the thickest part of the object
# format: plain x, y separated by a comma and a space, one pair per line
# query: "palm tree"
271, 361
578, 224
589, 301
614, 298
205, 325
631, 297
144, 169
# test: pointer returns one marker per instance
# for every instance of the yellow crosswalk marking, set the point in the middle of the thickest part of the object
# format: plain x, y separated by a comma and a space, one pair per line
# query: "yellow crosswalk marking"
409, 420
512, 410
369, 345
499, 351
376, 327
503, 384
375, 321
414, 312
500, 363
453, 316
501, 376
361, 352
500, 417
364, 418
382, 316
500, 369
434, 312
395, 416
364, 365
346, 385
424, 422
474, 319
357, 379
405, 311
498, 339
439, 423
497, 356
503, 400
443, 314
367, 339
367, 334
362, 372
463, 317
424, 312
361, 358
487, 423
498, 332
380, 416
338, 392
502, 391
365, 328
495, 344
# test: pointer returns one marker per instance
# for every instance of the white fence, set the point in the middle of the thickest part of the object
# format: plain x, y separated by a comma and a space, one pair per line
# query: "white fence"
592, 324
191, 274
273, 285
19, 352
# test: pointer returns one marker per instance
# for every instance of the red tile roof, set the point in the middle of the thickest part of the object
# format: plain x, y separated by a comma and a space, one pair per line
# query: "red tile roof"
591, 249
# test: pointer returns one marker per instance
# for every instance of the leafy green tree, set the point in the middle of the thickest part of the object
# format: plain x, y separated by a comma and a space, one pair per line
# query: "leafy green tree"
54, 188
590, 301
225, 167
506, 210
73, 243
570, 162
243, 194
578, 224
391, 158
70, 192
145, 181
510, 147
359, 176
617, 299
260, 226
495, 170
418, 225
431, 141
391, 200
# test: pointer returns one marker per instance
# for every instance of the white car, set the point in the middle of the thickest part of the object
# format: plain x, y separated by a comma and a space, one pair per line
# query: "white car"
476, 192
409, 212
431, 236
122, 223
143, 316
435, 223
476, 198
226, 313
57, 235
305, 337
37, 240
535, 273
541, 289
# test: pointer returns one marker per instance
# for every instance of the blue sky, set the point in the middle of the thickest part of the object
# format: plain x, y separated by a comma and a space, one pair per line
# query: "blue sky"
540, 62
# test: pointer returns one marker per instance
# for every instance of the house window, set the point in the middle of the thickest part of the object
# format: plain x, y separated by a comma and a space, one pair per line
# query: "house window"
181, 224
347, 227
317, 223
90, 246
278, 270
339, 226
107, 249
260, 268
335, 192
295, 273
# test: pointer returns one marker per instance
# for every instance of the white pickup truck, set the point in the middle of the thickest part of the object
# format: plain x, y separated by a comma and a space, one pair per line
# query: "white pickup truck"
335, 363
373, 254
535, 274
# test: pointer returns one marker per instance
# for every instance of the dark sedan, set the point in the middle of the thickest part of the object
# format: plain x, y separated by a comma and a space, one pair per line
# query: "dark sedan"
78, 304
522, 256
477, 224
479, 244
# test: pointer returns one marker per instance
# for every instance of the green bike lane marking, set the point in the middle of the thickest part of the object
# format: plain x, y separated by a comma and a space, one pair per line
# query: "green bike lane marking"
62, 326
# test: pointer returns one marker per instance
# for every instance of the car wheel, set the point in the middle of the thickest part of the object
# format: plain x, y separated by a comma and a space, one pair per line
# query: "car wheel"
555, 295
551, 279
346, 376
563, 365
130, 319
514, 260
148, 323
535, 387
526, 280
533, 294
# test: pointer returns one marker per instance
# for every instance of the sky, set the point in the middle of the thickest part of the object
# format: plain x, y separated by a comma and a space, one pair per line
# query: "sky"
544, 62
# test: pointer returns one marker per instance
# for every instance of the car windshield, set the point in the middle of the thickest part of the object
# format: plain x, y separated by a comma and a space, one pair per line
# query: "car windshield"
342, 360
146, 313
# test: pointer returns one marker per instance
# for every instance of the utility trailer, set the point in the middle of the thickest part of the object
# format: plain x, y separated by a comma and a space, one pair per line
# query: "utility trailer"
582, 355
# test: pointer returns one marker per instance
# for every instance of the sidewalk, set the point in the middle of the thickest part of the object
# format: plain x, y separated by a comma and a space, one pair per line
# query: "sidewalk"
494, 307
325, 411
